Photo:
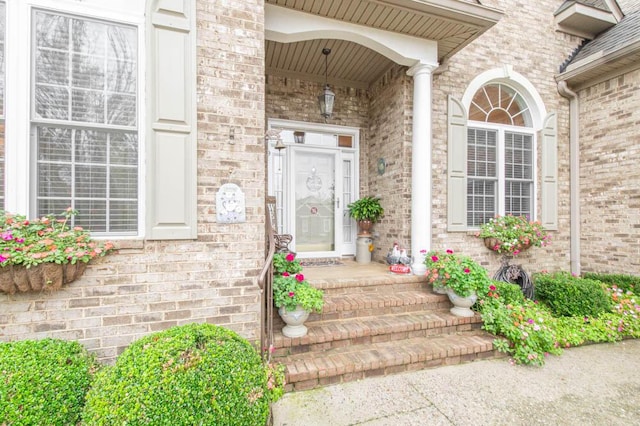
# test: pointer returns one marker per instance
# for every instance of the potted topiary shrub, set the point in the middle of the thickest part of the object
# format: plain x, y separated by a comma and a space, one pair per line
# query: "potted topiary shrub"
366, 211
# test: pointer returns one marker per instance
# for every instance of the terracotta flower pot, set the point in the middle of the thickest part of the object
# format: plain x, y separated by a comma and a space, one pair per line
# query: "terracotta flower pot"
364, 227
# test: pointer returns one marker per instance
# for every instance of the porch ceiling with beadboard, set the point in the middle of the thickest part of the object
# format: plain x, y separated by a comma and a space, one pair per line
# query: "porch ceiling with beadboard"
452, 24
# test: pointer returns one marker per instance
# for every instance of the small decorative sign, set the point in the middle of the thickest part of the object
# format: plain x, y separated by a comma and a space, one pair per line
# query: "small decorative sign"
230, 204
399, 268
314, 210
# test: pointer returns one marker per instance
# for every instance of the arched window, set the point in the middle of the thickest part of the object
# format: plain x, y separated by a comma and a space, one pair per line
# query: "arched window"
500, 155
492, 152
500, 104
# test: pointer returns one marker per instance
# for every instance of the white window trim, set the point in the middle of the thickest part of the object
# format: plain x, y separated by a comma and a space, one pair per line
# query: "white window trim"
19, 173
500, 129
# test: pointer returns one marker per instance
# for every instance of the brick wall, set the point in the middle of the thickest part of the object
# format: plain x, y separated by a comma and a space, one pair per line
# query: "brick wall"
390, 139
149, 286
508, 43
610, 176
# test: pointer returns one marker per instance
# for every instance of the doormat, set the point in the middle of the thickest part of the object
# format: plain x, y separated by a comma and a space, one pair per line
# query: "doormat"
320, 262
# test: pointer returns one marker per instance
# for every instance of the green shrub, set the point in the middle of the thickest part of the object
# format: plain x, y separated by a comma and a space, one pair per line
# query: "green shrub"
43, 382
625, 282
510, 293
197, 374
567, 295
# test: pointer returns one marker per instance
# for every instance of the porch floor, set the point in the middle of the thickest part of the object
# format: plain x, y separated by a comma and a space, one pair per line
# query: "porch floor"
351, 270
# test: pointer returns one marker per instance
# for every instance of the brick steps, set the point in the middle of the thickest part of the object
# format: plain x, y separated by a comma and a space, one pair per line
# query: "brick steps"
376, 323
324, 335
343, 306
355, 362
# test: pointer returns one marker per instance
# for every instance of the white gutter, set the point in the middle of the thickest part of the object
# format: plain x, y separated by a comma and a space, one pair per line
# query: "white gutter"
574, 166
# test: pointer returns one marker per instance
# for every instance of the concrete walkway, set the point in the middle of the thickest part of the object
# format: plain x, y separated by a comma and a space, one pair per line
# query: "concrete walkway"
590, 385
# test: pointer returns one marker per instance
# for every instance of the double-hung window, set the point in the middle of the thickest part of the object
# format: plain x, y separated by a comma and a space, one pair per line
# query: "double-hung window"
72, 111
500, 155
84, 120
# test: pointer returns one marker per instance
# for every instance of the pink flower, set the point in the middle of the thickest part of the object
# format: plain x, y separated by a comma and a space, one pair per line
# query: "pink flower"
3, 258
20, 240
285, 274
492, 287
291, 294
423, 251
530, 321
467, 270
300, 277
7, 236
434, 258
449, 251
290, 257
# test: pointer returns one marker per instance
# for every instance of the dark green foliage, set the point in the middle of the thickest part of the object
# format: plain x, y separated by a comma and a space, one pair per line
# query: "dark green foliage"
624, 282
197, 374
567, 295
510, 293
43, 382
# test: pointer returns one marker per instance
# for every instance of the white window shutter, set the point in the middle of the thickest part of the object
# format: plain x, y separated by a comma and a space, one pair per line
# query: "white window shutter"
171, 204
549, 165
457, 166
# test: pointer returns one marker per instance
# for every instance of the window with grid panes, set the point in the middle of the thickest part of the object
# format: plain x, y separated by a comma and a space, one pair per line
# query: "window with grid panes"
84, 120
500, 155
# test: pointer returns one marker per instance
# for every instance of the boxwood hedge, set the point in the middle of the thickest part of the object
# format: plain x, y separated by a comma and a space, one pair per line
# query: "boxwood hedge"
197, 374
567, 296
43, 382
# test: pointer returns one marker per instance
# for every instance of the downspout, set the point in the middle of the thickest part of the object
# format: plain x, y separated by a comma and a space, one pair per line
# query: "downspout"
574, 165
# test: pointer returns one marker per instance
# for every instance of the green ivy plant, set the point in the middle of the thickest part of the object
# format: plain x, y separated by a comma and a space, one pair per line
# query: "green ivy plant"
366, 208
529, 331
461, 274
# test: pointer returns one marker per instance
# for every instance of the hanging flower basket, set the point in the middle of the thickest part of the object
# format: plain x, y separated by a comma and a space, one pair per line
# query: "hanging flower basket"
44, 253
45, 276
510, 235
495, 245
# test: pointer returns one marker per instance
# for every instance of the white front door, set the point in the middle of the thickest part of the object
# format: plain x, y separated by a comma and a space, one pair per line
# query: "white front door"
314, 200
313, 181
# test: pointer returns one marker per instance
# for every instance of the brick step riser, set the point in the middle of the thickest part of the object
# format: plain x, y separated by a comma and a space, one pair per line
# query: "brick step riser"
357, 288
283, 349
363, 372
344, 312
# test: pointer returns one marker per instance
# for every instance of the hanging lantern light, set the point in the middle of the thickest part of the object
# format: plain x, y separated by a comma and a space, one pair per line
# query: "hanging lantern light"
326, 98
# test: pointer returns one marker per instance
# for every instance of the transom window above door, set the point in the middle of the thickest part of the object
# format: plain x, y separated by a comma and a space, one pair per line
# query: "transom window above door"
500, 155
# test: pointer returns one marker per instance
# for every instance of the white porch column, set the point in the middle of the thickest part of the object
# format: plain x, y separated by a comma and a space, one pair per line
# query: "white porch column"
421, 164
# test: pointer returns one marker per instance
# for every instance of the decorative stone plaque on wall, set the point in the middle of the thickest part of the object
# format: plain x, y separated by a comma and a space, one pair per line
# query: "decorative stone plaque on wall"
230, 205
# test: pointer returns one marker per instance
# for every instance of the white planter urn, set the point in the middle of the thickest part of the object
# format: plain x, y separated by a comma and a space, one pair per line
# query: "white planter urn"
295, 321
462, 305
